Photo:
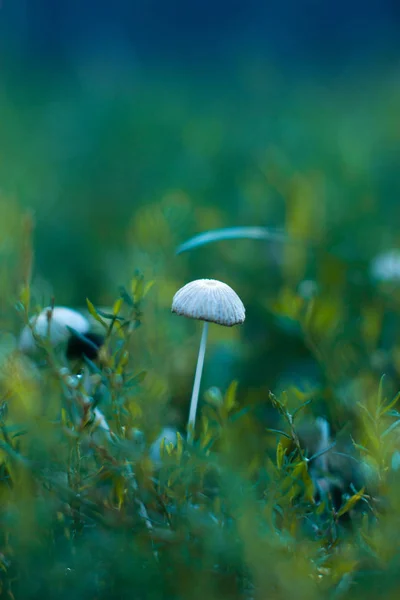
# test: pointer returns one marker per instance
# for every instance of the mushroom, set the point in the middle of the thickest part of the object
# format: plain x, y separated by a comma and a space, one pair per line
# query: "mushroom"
61, 325
53, 324
210, 301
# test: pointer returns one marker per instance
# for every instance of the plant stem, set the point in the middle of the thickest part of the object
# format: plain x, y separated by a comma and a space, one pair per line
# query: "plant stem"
196, 386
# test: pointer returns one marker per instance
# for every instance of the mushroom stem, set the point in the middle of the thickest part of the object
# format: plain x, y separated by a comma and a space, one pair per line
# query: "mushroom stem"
196, 386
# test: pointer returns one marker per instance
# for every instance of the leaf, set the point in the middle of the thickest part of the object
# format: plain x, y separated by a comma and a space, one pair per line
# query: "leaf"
240, 413
387, 410
350, 503
233, 233
320, 508
206, 434
83, 338
230, 396
393, 413
361, 448
395, 462
365, 409
117, 306
321, 452
19, 433
204, 424
94, 313
299, 408
279, 404
284, 400
136, 379
135, 410
390, 429
148, 287
123, 360
19, 307
380, 396
64, 418
119, 491
286, 435
25, 296
125, 296
280, 453
110, 316
162, 448
207, 440
301, 471
92, 366
169, 446
179, 446
137, 288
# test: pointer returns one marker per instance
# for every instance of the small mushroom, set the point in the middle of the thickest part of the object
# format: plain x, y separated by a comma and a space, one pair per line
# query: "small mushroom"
61, 325
55, 324
210, 301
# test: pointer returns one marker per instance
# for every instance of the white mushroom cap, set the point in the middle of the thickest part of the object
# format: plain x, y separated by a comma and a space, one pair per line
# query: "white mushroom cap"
209, 300
61, 319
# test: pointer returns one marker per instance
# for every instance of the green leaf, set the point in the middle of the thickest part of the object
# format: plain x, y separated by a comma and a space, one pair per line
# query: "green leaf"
136, 379
92, 366
94, 313
299, 408
365, 409
125, 296
280, 453
19, 307
391, 428
279, 432
233, 233
230, 396
137, 288
393, 413
321, 452
148, 287
380, 396
361, 448
19, 433
83, 338
111, 316
350, 503
237, 415
179, 446
25, 296
117, 306
386, 410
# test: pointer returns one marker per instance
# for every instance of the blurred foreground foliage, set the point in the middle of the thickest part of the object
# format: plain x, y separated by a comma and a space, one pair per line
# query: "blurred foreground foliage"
255, 508
88, 508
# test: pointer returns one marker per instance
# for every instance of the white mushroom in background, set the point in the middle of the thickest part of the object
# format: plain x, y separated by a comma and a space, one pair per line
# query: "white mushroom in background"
210, 301
52, 324
64, 326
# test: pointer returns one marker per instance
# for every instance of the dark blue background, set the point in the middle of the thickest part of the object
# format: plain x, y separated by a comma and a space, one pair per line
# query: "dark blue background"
292, 32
